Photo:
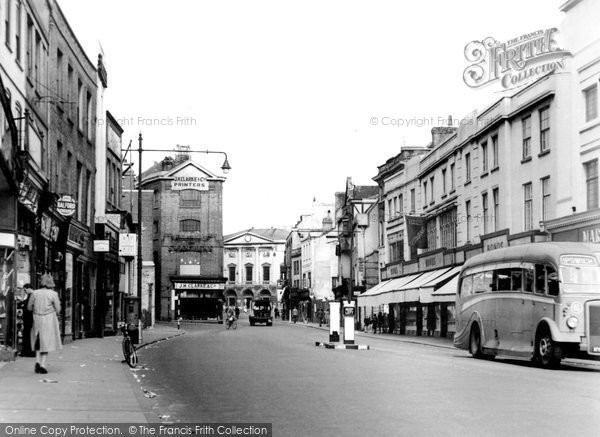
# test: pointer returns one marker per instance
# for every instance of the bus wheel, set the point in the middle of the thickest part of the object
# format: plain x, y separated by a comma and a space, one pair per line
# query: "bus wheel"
475, 342
547, 351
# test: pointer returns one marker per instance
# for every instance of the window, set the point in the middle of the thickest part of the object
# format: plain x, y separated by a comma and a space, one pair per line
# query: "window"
444, 186
231, 274
90, 117
80, 97
431, 229
495, 162
79, 194
412, 201
189, 225
545, 198
431, 189
484, 157
544, 129
155, 227
189, 198
526, 125
7, 13
309, 280
69, 90
390, 209
468, 215
397, 251
485, 207
496, 200
467, 167
59, 75
89, 209
59, 153
18, 30
527, 207
395, 206
267, 273
591, 103
69, 166
155, 199
29, 46
591, 183
424, 193
249, 272
452, 178
448, 229
37, 57
400, 204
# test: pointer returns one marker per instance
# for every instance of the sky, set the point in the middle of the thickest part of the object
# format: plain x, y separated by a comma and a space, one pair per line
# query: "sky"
299, 94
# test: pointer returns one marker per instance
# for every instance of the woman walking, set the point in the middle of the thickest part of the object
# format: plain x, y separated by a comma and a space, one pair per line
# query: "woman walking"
45, 335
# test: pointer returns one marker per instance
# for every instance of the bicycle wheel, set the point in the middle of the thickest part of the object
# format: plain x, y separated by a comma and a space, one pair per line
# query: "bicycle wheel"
129, 352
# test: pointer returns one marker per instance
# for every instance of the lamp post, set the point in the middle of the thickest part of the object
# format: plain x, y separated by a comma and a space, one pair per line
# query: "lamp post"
225, 167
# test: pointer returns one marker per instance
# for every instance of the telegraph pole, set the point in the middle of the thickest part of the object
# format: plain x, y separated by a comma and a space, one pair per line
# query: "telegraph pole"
139, 238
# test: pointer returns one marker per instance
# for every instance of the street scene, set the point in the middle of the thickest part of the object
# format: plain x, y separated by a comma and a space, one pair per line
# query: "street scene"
299, 218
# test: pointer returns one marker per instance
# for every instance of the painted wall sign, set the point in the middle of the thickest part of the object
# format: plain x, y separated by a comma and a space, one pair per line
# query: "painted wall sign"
189, 183
495, 243
199, 286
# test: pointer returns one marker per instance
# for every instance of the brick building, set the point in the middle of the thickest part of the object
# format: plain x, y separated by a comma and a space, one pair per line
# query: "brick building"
186, 226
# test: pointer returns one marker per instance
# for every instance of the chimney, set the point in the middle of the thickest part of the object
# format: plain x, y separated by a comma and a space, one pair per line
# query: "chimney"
439, 134
167, 163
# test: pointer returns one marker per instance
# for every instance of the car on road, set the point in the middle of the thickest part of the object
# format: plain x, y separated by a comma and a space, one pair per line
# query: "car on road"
262, 312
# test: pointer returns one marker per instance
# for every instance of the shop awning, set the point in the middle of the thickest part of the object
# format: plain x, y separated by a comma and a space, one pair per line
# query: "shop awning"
447, 292
419, 290
383, 293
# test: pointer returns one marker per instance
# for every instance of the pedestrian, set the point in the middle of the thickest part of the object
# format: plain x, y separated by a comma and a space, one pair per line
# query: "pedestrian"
374, 323
45, 335
295, 314
380, 322
237, 312
276, 313
367, 323
179, 322
320, 316
26, 350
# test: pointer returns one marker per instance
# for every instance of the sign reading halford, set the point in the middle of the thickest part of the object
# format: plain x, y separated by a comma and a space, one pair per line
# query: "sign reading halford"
66, 205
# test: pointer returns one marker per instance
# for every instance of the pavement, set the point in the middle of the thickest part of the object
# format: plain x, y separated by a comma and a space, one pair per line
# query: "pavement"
87, 380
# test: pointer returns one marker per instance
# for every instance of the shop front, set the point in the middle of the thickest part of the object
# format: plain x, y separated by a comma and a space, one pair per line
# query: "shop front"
199, 299
581, 227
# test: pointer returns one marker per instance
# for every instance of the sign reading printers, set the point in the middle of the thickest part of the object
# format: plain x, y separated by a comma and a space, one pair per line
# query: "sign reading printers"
515, 62
189, 183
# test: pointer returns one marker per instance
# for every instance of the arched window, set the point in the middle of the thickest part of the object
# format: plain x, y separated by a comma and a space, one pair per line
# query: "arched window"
189, 225
189, 198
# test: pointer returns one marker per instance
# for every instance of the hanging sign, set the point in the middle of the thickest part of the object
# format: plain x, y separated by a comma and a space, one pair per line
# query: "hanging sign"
66, 205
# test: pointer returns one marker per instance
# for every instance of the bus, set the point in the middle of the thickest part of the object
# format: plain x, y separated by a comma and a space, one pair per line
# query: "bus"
539, 301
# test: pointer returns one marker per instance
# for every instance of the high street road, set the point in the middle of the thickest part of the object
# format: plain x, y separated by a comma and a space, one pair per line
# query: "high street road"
277, 374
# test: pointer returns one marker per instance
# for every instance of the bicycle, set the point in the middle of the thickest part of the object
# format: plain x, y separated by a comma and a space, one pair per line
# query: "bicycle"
129, 352
231, 322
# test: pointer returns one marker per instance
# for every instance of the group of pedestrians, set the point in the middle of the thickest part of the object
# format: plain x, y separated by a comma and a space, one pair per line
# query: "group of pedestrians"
41, 333
376, 322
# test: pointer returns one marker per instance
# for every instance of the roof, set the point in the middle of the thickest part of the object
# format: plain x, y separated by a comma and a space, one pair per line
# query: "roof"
269, 233
541, 252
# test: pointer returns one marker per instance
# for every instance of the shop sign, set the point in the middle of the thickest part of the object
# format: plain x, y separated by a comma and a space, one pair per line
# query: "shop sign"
199, 286
46, 226
495, 243
431, 261
189, 183
29, 196
24, 241
590, 235
76, 235
416, 231
66, 205
127, 244
101, 245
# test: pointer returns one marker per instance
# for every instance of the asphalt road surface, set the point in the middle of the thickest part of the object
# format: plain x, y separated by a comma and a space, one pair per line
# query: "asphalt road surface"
277, 375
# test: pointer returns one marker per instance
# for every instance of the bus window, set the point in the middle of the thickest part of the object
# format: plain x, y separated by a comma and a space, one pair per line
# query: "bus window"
528, 280
552, 281
502, 279
479, 285
540, 279
516, 279
466, 286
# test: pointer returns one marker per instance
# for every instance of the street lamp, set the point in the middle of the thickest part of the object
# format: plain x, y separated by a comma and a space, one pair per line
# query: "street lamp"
225, 167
